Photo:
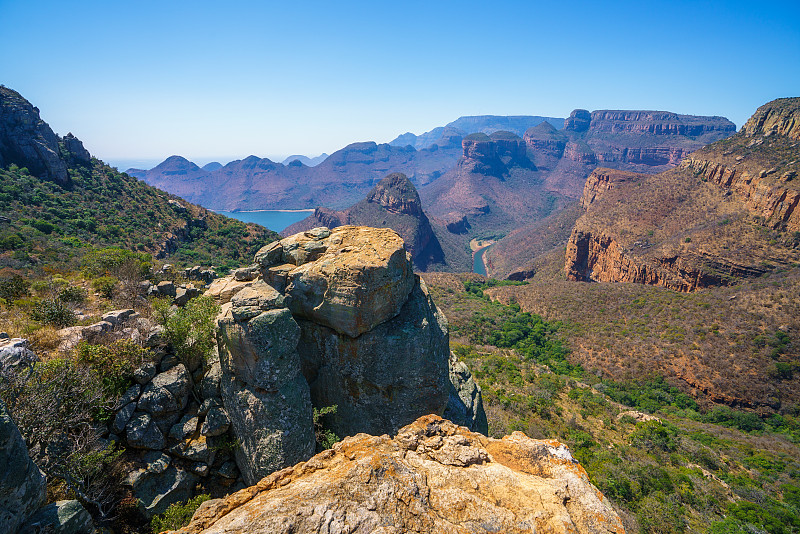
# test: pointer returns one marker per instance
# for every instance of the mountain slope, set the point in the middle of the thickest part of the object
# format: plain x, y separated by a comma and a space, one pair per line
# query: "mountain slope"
394, 203
52, 219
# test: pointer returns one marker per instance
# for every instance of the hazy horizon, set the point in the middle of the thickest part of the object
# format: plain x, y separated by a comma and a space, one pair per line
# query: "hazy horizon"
146, 81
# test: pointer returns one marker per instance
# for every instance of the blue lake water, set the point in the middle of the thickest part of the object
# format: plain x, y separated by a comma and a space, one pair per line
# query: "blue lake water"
273, 219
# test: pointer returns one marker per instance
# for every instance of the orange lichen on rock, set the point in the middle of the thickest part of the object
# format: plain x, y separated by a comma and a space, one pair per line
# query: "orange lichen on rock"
433, 476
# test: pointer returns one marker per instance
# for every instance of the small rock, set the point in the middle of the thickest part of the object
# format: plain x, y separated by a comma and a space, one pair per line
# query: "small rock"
169, 361
228, 470
62, 517
216, 423
145, 373
196, 450
123, 417
142, 433
4, 335
184, 428
209, 385
245, 274
118, 317
166, 289
131, 395
15, 352
144, 287
167, 392
199, 468
209, 403
157, 462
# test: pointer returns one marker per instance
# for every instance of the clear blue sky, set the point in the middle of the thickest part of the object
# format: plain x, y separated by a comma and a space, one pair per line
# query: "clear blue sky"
219, 80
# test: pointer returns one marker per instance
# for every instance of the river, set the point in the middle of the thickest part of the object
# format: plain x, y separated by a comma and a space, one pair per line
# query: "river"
477, 264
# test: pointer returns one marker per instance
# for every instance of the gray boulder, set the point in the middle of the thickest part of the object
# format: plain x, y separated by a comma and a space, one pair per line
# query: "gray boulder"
264, 394
167, 392
14, 352
61, 517
143, 433
155, 490
216, 423
387, 377
122, 417
22, 485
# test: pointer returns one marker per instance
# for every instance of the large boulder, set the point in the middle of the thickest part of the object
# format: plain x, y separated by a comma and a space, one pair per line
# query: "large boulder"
386, 377
434, 477
350, 279
22, 485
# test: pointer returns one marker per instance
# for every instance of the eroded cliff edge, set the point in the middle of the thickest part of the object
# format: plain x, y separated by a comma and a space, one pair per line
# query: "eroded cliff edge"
728, 211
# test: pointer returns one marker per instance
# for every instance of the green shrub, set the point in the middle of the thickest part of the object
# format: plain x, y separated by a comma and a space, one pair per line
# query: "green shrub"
178, 515
191, 329
325, 437
52, 312
110, 260
653, 436
72, 294
104, 285
13, 287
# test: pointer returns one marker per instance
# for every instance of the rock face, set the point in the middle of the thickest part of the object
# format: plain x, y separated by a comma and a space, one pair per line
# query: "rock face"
22, 484
262, 389
25, 139
781, 116
697, 225
433, 477
336, 317
393, 203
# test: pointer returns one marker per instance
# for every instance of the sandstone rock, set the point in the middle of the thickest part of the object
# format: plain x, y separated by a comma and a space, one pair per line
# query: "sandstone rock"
142, 433
222, 289
246, 274
270, 254
386, 377
781, 116
578, 120
166, 289
362, 279
61, 517
465, 404
434, 477
184, 294
22, 484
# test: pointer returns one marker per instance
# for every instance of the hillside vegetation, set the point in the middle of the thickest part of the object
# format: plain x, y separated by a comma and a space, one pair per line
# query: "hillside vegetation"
667, 462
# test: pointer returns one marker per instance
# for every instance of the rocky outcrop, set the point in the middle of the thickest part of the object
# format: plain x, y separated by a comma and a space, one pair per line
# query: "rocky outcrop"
22, 484
465, 404
433, 477
781, 116
76, 149
578, 121
26, 140
602, 180
761, 192
335, 317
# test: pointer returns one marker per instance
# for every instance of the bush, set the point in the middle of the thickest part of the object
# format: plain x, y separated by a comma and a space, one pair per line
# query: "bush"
191, 329
72, 294
52, 312
325, 437
104, 285
13, 287
110, 260
113, 365
653, 436
177, 515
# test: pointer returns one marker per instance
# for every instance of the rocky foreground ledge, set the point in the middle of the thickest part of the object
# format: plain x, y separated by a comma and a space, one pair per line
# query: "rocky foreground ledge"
434, 476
